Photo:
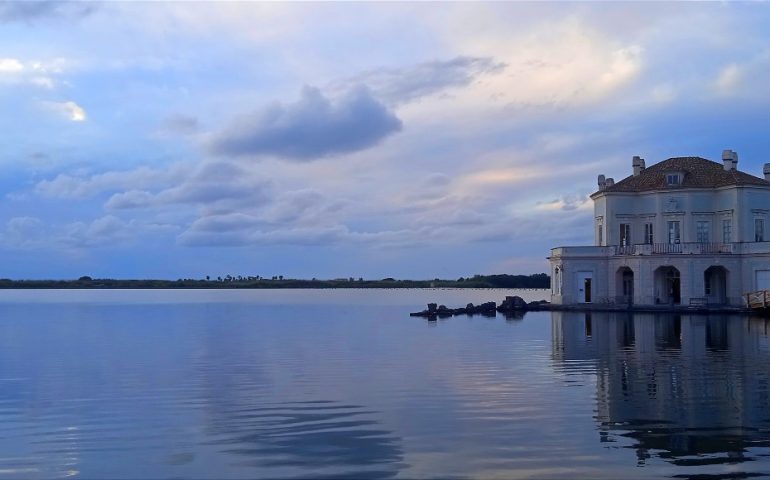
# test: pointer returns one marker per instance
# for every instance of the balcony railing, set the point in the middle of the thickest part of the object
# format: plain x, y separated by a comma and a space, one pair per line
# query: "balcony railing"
666, 248
674, 249
593, 251
625, 250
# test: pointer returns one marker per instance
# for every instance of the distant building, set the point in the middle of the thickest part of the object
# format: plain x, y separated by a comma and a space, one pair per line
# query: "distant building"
684, 231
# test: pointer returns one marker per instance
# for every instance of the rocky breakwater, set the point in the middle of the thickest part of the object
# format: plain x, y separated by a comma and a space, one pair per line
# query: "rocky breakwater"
511, 304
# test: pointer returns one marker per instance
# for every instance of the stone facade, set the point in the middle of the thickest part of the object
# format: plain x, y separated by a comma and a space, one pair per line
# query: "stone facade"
685, 231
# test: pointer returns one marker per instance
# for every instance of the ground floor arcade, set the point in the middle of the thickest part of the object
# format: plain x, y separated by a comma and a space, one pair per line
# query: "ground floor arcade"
657, 280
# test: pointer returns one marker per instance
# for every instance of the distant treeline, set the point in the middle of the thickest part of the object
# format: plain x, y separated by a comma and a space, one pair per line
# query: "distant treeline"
539, 280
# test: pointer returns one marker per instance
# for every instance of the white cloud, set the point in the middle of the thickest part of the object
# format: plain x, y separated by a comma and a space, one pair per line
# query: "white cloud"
44, 82
567, 203
69, 109
550, 65
14, 71
10, 65
728, 79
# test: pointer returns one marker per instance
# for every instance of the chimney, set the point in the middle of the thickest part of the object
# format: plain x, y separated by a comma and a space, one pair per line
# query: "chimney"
602, 182
609, 182
730, 159
638, 164
766, 171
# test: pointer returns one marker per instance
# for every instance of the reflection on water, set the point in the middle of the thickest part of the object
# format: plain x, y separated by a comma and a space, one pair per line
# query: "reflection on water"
175, 391
249, 387
314, 435
691, 390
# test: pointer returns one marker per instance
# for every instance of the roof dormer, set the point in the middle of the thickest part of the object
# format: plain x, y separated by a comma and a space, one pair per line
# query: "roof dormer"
674, 178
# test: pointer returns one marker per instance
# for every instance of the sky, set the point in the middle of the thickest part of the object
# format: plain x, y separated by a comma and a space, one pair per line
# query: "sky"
408, 140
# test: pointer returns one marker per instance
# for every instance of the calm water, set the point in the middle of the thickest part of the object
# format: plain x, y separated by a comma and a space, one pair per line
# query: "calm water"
288, 384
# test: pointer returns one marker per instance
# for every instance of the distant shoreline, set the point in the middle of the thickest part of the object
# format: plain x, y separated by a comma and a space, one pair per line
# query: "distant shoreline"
478, 281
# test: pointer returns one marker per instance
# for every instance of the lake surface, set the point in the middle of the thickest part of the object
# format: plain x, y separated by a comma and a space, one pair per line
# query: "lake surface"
344, 384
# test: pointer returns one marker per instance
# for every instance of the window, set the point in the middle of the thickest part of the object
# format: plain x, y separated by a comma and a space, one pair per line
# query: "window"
759, 229
648, 233
625, 234
556, 281
673, 179
707, 284
702, 231
673, 232
727, 231
600, 231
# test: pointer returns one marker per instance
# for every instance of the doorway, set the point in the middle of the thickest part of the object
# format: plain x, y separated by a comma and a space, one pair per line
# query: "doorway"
624, 286
585, 287
668, 286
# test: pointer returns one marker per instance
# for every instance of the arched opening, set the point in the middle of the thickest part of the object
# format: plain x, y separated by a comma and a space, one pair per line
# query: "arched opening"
715, 285
624, 286
667, 286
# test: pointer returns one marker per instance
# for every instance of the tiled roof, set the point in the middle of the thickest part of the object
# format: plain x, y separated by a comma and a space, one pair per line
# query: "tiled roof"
698, 173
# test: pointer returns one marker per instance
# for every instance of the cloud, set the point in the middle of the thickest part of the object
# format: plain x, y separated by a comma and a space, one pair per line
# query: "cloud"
22, 232
218, 186
179, 124
437, 180
14, 71
68, 186
401, 85
130, 199
224, 223
313, 127
728, 79
108, 231
548, 67
307, 236
10, 65
744, 79
105, 231
567, 203
31, 11
69, 109
292, 206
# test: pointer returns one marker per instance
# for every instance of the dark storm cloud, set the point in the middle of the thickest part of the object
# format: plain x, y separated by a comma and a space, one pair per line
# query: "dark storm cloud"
310, 128
401, 85
31, 11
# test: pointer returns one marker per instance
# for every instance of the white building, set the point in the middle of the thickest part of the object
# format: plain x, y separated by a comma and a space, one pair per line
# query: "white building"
684, 231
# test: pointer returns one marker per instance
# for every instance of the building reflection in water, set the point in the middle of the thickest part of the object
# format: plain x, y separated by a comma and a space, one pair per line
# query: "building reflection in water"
692, 390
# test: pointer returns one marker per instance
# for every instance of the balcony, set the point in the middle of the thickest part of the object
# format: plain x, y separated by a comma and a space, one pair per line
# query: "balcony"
745, 248
584, 251
675, 249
